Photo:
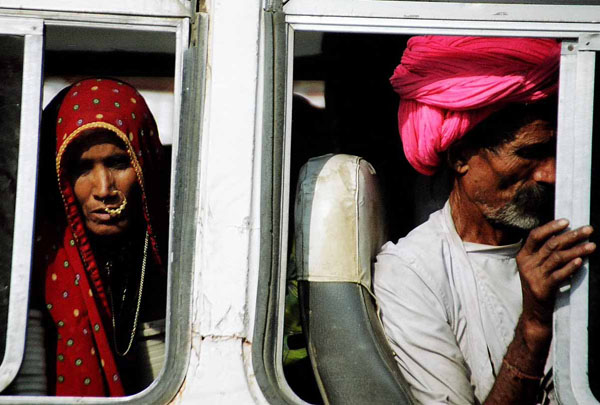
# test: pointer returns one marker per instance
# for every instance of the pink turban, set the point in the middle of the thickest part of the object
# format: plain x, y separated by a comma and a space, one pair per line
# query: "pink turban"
447, 85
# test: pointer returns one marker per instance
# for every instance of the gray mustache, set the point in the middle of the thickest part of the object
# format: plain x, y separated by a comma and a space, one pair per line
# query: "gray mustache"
535, 198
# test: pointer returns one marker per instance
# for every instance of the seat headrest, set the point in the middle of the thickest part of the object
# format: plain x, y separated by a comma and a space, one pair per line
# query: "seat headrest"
339, 220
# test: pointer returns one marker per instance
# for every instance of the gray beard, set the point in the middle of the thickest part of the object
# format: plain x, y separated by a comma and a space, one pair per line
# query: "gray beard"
529, 208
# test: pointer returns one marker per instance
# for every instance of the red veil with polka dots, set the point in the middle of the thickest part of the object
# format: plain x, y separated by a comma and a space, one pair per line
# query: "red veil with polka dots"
74, 292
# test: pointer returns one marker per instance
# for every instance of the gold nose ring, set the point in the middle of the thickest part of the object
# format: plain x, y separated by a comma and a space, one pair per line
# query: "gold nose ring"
115, 212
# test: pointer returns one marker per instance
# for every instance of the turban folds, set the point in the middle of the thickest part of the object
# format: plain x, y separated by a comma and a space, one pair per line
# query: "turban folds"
447, 85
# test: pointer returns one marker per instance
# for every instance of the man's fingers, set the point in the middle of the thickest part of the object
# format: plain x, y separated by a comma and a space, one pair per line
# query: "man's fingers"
566, 271
565, 240
539, 235
560, 258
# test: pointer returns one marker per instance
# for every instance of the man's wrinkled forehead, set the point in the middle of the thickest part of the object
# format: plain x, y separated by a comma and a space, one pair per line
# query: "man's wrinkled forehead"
512, 122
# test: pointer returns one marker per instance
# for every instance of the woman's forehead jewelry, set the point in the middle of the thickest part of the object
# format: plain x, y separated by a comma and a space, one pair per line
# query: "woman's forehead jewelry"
115, 212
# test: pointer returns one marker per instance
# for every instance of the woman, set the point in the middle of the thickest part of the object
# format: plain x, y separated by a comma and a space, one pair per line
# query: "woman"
103, 263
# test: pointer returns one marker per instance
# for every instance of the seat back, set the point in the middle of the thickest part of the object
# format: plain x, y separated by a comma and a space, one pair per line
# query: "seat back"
339, 228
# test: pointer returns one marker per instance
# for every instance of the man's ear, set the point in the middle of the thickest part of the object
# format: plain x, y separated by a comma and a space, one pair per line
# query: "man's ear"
461, 167
457, 161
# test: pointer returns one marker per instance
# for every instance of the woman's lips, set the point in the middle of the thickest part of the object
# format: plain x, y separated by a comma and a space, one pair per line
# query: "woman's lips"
100, 216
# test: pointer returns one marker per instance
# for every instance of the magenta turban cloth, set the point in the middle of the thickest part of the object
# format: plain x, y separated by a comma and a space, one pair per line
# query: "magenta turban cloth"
447, 85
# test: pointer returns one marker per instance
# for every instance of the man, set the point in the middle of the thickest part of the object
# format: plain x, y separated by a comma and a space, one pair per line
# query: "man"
467, 298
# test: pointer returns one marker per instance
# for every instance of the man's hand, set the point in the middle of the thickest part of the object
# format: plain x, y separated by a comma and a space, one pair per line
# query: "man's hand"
547, 259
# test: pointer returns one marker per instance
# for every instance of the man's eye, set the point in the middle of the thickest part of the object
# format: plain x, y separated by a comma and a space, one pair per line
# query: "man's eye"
540, 151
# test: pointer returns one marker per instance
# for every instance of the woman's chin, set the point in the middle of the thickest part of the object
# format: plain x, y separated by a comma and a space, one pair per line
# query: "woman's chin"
107, 228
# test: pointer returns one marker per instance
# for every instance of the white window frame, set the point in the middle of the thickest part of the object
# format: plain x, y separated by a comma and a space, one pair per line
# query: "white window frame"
182, 193
165, 8
574, 164
571, 23
32, 31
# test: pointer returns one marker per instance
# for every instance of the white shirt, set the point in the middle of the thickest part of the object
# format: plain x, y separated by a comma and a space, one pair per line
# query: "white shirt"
449, 310
500, 296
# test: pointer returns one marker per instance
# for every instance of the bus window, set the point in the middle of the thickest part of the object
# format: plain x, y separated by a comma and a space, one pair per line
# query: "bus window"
358, 118
97, 270
98, 262
339, 101
10, 93
350, 110
102, 281
20, 96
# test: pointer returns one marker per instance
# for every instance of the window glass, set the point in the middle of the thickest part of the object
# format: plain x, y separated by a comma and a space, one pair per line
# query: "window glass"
146, 59
11, 71
99, 279
343, 103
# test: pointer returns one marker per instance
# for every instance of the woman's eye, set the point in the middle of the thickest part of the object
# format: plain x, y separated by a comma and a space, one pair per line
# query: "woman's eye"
118, 162
81, 168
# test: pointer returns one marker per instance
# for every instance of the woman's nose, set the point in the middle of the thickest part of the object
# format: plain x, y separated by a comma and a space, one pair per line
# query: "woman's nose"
103, 183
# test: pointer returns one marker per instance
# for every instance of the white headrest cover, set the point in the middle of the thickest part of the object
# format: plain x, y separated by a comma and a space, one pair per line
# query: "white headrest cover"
339, 220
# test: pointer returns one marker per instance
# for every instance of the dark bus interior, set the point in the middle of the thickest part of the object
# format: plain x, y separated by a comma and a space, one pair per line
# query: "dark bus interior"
359, 118
11, 68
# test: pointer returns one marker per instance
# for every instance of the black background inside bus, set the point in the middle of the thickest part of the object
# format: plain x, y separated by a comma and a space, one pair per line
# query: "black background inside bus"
594, 262
11, 72
359, 118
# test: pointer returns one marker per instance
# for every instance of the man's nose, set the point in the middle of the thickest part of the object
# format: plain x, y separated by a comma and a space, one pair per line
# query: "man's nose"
545, 172
103, 183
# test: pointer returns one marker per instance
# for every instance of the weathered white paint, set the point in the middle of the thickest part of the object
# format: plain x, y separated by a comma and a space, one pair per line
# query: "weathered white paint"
227, 159
254, 253
573, 172
166, 8
20, 26
444, 11
414, 26
220, 369
219, 377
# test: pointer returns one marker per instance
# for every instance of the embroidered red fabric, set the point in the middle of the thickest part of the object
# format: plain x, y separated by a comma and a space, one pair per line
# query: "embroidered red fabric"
74, 293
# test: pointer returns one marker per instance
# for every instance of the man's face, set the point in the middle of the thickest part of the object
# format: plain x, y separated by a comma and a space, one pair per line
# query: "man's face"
514, 185
102, 175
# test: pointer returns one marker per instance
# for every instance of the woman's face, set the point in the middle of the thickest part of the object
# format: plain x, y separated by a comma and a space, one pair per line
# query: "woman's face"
102, 175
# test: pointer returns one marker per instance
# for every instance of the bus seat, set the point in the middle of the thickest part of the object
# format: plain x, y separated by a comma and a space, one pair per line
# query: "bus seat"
339, 228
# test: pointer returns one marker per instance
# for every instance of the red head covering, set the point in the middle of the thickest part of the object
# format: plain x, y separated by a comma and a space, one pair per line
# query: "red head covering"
447, 85
74, 292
